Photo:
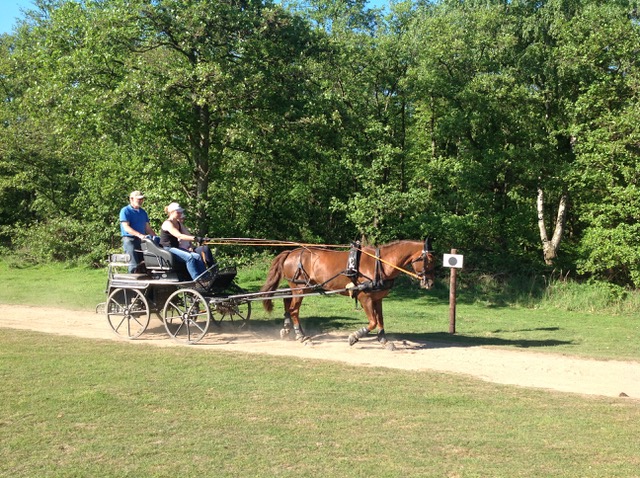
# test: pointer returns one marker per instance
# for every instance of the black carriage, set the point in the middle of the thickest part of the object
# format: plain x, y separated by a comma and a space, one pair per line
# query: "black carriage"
186, 307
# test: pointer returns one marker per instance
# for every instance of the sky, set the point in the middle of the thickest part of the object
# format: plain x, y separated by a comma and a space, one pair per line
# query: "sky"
10, 10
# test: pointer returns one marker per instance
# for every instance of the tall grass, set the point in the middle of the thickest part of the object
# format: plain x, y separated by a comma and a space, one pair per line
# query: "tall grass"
591, 297
553, 291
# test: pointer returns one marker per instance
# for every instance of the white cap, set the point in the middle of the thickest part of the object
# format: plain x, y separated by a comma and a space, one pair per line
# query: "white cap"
174, 206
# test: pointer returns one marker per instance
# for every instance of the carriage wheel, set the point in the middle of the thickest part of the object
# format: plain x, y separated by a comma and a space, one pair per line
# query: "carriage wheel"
186, 316
127, 312
237, 312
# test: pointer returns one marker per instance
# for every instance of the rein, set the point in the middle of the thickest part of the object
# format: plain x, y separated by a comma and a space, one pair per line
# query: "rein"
245, 241
393, 266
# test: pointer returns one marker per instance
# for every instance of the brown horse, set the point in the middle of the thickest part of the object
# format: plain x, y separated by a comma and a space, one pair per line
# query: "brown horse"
312, 269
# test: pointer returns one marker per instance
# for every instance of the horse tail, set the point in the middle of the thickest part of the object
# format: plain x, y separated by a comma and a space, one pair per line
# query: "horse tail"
274, 276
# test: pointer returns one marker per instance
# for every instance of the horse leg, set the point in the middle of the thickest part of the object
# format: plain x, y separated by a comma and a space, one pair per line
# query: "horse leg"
287, 326
292, 319
382, 337
294, 310
367, 306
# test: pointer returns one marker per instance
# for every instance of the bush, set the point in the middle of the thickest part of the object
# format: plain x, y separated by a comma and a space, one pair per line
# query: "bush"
62, 240
500, 290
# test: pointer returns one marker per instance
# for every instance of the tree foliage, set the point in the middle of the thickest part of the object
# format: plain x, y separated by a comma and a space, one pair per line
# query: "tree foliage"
508, 130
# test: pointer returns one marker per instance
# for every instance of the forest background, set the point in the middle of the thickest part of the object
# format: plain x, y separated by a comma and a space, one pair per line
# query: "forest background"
506, 129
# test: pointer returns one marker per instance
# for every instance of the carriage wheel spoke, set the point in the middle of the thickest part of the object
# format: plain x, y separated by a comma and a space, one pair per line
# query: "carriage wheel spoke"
127, 312
186, 316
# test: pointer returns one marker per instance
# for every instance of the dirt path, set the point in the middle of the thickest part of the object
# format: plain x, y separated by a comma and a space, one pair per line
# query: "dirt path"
527, 369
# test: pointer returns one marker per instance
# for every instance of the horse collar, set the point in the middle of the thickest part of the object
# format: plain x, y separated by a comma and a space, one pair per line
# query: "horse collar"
378, 281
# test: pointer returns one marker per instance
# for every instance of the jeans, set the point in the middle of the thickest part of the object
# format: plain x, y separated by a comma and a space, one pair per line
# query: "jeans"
131, 246
194, 263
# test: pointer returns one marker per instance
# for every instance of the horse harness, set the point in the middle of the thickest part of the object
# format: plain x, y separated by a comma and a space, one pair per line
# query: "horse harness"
377, 283
352, 271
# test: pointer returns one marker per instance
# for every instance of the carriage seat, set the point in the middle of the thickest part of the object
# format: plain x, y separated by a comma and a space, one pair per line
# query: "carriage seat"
117, 262
156, 257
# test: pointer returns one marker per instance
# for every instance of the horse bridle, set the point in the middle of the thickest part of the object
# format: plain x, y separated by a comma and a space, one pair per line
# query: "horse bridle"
424, 257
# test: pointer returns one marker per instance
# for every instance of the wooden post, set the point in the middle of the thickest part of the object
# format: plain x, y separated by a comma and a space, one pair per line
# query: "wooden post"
452, 297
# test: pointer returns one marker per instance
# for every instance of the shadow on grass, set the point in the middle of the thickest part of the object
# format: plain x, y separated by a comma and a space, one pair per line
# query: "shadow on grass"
460, 340
537, 329
407, 290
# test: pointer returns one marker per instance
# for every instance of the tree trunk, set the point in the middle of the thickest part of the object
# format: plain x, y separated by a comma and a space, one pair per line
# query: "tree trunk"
550, 247
200, 148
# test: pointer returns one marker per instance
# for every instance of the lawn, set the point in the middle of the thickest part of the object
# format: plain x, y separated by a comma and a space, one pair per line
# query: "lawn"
73, 407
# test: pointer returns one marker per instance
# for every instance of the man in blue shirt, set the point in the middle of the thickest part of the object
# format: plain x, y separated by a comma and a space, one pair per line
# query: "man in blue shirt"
134, 225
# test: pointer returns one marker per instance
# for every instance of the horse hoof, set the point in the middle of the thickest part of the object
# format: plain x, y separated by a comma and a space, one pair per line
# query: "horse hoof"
353, 339
304, 339
386, 343
284, 333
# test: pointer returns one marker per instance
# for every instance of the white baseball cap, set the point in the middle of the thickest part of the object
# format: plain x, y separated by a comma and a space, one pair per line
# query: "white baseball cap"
174, 206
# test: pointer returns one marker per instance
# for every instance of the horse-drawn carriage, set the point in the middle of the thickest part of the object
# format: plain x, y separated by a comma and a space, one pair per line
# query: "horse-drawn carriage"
186, 307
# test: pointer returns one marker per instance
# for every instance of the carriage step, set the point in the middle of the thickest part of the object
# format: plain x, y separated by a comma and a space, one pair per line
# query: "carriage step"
131, 276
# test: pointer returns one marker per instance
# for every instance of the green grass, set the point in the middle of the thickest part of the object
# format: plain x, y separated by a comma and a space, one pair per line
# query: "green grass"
52, 285
73, 408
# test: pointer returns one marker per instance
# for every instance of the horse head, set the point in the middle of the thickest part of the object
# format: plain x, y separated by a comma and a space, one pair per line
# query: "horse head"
424, 266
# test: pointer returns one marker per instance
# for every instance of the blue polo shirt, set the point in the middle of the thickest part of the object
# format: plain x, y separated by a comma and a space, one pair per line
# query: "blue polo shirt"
137, 219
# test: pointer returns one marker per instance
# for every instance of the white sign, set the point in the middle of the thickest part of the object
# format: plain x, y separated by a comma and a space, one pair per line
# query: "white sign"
453, 260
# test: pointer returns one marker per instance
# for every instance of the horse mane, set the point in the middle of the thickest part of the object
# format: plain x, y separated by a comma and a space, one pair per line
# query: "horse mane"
395, 243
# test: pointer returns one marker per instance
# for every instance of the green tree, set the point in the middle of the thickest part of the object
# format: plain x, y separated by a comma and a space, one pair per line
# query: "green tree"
477, 128
364, 81
179, 98
599, 48
507, 129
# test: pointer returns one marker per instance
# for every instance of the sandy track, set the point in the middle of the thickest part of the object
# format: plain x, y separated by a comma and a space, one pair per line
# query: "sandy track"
513, 367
